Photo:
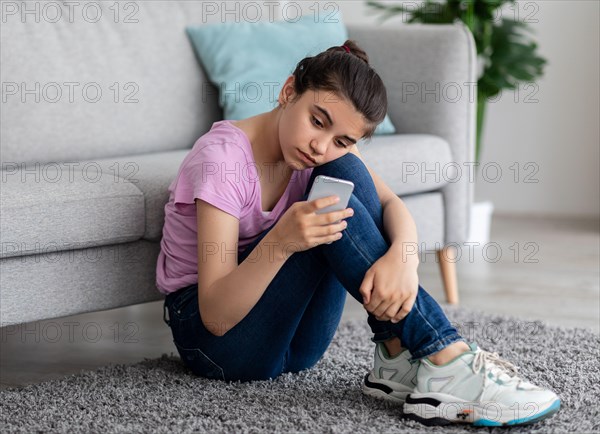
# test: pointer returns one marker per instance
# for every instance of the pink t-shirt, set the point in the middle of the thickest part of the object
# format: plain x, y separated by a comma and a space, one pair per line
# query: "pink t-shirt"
219, 169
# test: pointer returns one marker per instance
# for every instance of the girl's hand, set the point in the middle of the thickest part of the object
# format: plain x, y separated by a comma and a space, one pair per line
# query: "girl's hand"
389, 288
300, 228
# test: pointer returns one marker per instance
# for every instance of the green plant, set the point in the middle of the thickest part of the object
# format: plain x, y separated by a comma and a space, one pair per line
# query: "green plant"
508, 57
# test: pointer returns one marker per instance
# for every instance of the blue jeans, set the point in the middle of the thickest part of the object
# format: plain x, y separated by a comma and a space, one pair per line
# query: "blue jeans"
294, 321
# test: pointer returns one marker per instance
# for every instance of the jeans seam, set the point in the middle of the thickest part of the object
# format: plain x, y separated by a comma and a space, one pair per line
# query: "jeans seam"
203, 354
360, 250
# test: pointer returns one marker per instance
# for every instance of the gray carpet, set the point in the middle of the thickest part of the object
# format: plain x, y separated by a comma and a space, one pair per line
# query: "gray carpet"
160, 395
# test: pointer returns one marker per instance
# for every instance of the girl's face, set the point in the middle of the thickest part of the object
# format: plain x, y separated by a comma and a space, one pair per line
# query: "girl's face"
319, 124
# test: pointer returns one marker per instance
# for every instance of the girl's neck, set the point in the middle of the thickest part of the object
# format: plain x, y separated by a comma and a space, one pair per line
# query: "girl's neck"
262, 131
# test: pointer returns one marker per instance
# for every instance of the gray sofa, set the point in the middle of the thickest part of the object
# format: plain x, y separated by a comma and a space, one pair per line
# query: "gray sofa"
85, 175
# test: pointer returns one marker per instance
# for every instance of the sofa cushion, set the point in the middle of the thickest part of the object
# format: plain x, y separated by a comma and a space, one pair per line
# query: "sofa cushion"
411, 163
249, 62
127, 202
55, 207
427, 210
151, 174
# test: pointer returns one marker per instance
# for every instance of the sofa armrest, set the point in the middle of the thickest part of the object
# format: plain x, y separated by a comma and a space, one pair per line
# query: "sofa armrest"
430, 73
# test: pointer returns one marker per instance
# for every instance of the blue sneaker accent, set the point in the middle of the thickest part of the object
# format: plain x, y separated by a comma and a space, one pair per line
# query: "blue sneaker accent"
524, 420
543, 415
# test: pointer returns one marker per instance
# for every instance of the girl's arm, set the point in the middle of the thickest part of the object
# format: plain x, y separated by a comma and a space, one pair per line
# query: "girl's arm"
227, 292
401, 230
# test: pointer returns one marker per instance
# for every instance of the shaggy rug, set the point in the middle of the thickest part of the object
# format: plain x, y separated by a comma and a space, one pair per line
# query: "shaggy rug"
161, 395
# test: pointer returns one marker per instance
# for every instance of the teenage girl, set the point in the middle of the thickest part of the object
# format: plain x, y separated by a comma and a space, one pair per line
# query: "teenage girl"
256, 281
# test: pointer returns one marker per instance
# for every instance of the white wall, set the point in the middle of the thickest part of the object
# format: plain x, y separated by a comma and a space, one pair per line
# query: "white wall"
559, 133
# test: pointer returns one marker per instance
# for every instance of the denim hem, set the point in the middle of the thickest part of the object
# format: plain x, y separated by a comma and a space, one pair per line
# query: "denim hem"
383, 336
436, 346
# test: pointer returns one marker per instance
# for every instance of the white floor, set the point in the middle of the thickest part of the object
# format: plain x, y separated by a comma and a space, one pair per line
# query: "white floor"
548, 269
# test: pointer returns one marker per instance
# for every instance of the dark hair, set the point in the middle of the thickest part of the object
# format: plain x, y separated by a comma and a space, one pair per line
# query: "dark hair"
349, 76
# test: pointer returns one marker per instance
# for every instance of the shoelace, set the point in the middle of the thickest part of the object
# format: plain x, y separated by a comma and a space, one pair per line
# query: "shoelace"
497, 366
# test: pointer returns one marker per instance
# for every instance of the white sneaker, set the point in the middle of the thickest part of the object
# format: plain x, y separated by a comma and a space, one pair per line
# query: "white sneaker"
392, 378
478, 388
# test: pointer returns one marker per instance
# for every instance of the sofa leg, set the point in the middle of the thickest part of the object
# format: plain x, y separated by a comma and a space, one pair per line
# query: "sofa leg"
446, 258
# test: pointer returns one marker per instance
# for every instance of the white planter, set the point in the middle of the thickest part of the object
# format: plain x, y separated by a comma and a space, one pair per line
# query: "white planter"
481, 219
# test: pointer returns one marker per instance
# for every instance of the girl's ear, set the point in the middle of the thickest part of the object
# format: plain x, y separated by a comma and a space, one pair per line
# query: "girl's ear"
287, 91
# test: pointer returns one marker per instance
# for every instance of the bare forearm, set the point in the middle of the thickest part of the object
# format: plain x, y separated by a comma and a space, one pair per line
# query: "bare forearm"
232, 297
401, 229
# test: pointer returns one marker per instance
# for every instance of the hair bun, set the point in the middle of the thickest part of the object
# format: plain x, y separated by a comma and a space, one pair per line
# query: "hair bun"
355, 49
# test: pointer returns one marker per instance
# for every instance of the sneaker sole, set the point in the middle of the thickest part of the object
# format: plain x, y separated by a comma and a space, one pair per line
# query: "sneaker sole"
434, 409
390, 391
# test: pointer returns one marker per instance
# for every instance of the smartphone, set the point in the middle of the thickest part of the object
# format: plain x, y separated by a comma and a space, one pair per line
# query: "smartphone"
324, 186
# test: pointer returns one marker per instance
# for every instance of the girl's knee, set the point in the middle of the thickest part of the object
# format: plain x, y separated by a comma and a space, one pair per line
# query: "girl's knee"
346, 166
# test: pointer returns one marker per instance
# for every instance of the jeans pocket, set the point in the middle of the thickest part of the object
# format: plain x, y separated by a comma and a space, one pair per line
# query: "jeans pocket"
185, 304
199, 363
